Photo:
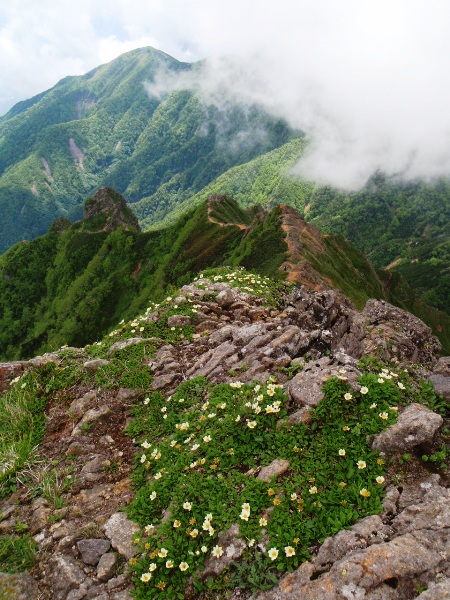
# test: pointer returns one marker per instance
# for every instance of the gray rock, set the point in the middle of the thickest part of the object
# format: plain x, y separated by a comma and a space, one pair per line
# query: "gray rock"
95, 364
415, 425
65, 575
92, 415
78, 406
18, 586
276, 467
119, 529
178, 321
244, 335
437, 591
95, 465
106, 566
443, 366
233, 547
165, 380
92, 549
117, 346
348, 540
441, 384
127, 394
123, 595
116, 582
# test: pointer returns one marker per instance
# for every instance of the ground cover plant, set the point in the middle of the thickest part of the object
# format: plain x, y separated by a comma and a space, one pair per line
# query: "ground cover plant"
194, 474
199, 451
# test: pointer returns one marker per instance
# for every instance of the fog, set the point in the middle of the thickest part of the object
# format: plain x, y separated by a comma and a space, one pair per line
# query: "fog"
367, 81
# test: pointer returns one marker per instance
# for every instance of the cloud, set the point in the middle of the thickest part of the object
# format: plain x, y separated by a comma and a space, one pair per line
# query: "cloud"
367, 80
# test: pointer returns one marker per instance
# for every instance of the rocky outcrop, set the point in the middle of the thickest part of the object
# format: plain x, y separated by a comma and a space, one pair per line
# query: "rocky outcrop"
110, 205
311, 337
381, 557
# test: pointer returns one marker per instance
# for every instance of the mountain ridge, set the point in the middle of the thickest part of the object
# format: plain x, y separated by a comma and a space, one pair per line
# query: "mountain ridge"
77, 281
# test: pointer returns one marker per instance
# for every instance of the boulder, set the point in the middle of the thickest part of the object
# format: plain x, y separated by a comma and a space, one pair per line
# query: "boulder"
416, 425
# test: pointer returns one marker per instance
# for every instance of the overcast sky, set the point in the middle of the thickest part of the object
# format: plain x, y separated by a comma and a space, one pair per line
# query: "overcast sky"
367, 80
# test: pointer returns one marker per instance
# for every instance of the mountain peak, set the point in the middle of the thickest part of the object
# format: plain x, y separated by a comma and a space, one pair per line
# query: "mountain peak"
107, 210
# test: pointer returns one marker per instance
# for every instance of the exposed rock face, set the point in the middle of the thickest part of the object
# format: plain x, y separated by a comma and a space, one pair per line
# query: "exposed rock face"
113, 206
380, 559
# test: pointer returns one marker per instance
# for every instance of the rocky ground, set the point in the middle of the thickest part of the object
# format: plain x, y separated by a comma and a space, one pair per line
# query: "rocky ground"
85, 544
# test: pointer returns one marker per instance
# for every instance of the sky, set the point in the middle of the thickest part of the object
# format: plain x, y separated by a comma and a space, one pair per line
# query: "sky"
367, 81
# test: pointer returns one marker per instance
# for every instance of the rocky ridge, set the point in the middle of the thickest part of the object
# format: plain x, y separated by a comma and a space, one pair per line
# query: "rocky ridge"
85, 544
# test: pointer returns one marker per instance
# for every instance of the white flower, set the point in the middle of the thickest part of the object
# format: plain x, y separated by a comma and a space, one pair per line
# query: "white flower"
273, 553
400, 385
364, 390
341, 452
380, 479
217, 551
145, 577
153, 495
187, 506
207, 438
361, 464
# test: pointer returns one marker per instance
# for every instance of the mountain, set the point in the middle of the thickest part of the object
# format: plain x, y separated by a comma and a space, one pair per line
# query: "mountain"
103, 129
167, 155
71, 285
241, 438
400, 226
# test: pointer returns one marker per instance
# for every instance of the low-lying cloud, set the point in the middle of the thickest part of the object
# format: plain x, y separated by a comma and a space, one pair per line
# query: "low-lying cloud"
366, 80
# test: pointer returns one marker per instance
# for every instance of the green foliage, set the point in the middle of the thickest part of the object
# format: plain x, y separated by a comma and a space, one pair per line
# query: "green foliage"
17, 553
199, 449
104, 129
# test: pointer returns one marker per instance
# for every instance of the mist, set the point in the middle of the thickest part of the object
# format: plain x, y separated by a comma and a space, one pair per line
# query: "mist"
367, 82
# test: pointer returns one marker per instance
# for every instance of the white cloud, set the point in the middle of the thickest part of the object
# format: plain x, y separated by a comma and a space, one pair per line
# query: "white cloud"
367, 80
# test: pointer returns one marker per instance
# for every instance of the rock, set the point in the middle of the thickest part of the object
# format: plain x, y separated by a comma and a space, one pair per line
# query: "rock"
65, 575
78, 449
227, 297
415, 425
18, 586
7, 526
106, 566
441, 384
116, 581
95, 364
276, 467
117, 346
120, 531
81, 592
348, 540
437, 591
6, 511
178, 321
40, 516
78, 406
244, 335
233, 547
92, 549
442, 366
127, 394
95, 465
123, 595
305, 389
165, 380
92, 415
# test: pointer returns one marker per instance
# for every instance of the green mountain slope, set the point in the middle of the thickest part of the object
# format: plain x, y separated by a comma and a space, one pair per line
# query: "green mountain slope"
73, 284
103, 129
391, 221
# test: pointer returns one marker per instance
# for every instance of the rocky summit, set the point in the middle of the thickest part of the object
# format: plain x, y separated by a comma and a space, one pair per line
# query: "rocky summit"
240, 439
